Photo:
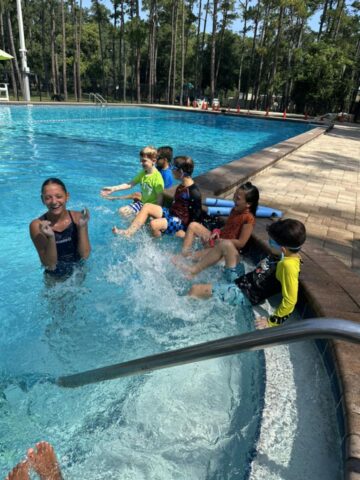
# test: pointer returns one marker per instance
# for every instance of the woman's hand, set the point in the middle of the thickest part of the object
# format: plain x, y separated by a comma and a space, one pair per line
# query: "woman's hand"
84, 218
46, 229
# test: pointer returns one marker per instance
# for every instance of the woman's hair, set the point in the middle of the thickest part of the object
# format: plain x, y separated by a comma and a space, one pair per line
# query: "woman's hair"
288, 233
149, 151
185, 164
50, 181
251, 195
165, 152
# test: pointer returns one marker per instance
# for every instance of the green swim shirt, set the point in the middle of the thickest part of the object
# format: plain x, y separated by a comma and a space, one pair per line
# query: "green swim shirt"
152, 184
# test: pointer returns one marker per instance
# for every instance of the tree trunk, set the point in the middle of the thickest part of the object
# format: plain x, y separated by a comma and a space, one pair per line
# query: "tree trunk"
276, 54
242, 50
175, 55
63, 50
13, 53
213, 50
182, 52
53, 50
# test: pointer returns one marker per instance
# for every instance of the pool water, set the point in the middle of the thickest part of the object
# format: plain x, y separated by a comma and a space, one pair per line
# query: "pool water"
192, 422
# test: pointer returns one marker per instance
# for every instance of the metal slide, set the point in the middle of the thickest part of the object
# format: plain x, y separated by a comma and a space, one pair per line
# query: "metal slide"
313, 328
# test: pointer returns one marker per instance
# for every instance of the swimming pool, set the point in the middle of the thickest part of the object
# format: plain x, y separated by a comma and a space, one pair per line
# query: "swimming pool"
192, 422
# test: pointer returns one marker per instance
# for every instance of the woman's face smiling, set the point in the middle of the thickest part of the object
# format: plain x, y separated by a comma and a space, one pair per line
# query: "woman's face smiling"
54, 197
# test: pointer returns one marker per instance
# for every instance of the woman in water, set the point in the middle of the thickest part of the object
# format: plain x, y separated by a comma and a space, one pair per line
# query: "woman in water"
60, 236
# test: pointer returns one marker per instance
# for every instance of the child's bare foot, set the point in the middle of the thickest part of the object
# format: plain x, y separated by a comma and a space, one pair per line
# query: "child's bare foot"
261, 323
43, 460
20, 472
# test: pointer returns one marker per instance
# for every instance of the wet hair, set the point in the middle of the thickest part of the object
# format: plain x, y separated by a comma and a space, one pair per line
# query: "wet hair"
165, 152
251, 195
149, 151
185, 164
288, 233
51, 181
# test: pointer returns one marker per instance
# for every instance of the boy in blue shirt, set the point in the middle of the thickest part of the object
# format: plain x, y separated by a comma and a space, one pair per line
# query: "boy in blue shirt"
163, 164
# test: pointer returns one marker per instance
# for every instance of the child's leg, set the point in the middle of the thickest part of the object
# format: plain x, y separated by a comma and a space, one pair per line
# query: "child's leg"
148, 210
158, 225
126, 211
224, 249
195, 229
202, 290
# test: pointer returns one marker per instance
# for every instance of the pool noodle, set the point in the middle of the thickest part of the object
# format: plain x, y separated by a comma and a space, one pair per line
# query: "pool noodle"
261, 212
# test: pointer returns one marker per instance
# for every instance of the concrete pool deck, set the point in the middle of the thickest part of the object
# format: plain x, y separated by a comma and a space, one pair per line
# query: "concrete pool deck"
319, 184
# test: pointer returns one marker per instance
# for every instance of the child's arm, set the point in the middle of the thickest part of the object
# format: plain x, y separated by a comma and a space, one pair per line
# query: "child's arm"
130, 196
195, 205
244, 237
116, 188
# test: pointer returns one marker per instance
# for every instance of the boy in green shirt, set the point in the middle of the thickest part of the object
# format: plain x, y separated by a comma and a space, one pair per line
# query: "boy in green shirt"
150, 180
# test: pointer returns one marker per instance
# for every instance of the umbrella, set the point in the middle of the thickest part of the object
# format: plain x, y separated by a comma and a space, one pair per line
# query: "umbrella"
5, 56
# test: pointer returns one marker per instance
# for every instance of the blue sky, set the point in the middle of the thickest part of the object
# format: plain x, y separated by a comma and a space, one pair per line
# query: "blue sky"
314, 21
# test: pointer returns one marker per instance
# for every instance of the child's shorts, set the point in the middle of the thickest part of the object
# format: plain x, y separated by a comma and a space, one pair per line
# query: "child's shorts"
174, 223
136, 206
230, 294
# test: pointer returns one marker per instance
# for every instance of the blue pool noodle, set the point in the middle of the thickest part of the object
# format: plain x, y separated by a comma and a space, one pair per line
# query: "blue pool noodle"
219, 206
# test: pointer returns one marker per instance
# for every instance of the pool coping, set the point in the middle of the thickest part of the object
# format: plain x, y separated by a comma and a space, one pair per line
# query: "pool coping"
327, 289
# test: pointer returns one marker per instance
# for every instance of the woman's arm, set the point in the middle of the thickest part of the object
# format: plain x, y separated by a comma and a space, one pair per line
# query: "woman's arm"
43, 239
82, 219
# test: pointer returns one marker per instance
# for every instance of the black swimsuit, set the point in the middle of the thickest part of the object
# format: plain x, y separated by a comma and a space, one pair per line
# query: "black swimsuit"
66, 247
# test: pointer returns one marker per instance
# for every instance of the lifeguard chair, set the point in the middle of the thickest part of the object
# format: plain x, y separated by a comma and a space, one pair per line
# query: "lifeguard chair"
4, 92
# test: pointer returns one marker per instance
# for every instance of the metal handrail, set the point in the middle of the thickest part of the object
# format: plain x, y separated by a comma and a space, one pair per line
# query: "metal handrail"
314, 328
96, 97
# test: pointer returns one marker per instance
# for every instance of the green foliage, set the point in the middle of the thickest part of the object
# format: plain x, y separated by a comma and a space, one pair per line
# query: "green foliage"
314, 70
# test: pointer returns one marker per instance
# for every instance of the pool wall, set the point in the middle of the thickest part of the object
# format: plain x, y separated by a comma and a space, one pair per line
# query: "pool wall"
327, 289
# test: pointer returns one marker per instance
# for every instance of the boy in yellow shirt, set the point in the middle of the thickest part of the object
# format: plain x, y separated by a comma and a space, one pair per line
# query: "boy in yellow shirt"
272, 275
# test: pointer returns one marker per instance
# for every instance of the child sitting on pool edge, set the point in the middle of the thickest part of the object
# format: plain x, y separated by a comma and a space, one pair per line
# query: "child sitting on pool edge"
186, 205
150, 179
163, 164
227, 241
271, 276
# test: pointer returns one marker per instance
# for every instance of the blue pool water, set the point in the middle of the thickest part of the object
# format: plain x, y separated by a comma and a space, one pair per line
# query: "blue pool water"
182, 423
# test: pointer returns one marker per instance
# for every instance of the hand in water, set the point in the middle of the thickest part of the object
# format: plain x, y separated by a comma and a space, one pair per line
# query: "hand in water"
85, 217
106, 191
46, 229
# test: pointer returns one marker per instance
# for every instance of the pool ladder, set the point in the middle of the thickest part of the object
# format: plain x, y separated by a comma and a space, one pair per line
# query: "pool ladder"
293, 331
97, 98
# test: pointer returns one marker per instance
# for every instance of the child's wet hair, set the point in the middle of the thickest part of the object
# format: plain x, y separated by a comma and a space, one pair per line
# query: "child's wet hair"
51, 181
288, 233
149, 151
165, 152
185, 164
251, 195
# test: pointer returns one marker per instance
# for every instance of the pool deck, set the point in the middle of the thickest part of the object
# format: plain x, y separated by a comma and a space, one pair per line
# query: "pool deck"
319, 184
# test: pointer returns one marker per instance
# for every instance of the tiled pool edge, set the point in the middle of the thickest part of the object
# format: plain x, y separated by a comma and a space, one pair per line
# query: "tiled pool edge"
327, 286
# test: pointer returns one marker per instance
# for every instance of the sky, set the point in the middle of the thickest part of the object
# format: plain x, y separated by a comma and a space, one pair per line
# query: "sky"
237, 25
